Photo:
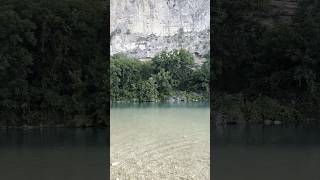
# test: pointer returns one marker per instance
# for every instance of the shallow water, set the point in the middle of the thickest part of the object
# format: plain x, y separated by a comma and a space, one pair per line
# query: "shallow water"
53, 154
277, 153
160, 141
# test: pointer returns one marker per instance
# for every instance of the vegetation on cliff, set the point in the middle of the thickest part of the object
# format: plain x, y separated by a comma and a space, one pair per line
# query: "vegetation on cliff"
265, 73
169, 75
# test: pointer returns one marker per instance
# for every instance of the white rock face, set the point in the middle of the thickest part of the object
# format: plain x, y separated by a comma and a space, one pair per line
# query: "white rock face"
142, 28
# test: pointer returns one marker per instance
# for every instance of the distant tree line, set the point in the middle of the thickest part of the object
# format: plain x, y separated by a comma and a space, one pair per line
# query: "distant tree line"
53, 64
262, 72
168, 75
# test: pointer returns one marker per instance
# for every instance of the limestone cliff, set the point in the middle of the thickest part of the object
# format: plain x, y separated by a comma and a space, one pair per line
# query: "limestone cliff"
142, 28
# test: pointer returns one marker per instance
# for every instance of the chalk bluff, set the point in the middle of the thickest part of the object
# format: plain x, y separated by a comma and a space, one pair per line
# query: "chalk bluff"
142, 28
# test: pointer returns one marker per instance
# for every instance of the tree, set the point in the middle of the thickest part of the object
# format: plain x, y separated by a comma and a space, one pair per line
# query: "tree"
165, 83
178, 63
147, 90
53, 62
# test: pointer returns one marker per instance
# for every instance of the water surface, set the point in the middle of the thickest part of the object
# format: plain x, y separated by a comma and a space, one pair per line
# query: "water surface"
277, 153
160, 141
53, 154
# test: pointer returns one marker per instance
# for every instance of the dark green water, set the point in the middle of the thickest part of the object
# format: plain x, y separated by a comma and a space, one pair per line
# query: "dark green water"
53, 154
273, 153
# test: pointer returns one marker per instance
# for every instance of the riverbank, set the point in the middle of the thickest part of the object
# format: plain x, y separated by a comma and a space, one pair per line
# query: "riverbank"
237, 109
161, 101
220, 122
176, 97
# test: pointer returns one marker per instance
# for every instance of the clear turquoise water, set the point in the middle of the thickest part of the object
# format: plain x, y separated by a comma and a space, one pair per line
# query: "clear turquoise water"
160, 140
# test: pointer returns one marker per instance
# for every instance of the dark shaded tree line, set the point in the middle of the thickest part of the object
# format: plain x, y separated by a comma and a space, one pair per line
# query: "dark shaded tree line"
168, 75
264, 72
53, 63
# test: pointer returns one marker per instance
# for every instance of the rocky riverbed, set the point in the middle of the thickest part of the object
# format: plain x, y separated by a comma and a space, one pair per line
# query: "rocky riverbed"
160, 143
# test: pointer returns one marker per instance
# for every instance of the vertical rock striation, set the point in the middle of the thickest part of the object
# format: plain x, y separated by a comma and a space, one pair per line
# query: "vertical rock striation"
142, 28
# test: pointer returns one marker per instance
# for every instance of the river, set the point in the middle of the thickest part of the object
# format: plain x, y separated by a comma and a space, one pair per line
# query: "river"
53, 154
160, 141
265, 153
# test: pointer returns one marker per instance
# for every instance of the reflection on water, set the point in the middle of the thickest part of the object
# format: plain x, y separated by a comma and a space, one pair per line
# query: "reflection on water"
160, 141
277, 153
53, 153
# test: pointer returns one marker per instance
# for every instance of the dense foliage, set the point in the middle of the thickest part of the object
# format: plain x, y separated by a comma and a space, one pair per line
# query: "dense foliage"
166, 76
53, 63
266, 71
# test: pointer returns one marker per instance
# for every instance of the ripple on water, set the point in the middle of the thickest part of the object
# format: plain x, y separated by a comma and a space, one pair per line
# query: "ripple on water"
174, 145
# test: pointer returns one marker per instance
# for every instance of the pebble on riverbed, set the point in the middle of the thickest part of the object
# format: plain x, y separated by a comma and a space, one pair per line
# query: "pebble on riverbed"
115, 163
